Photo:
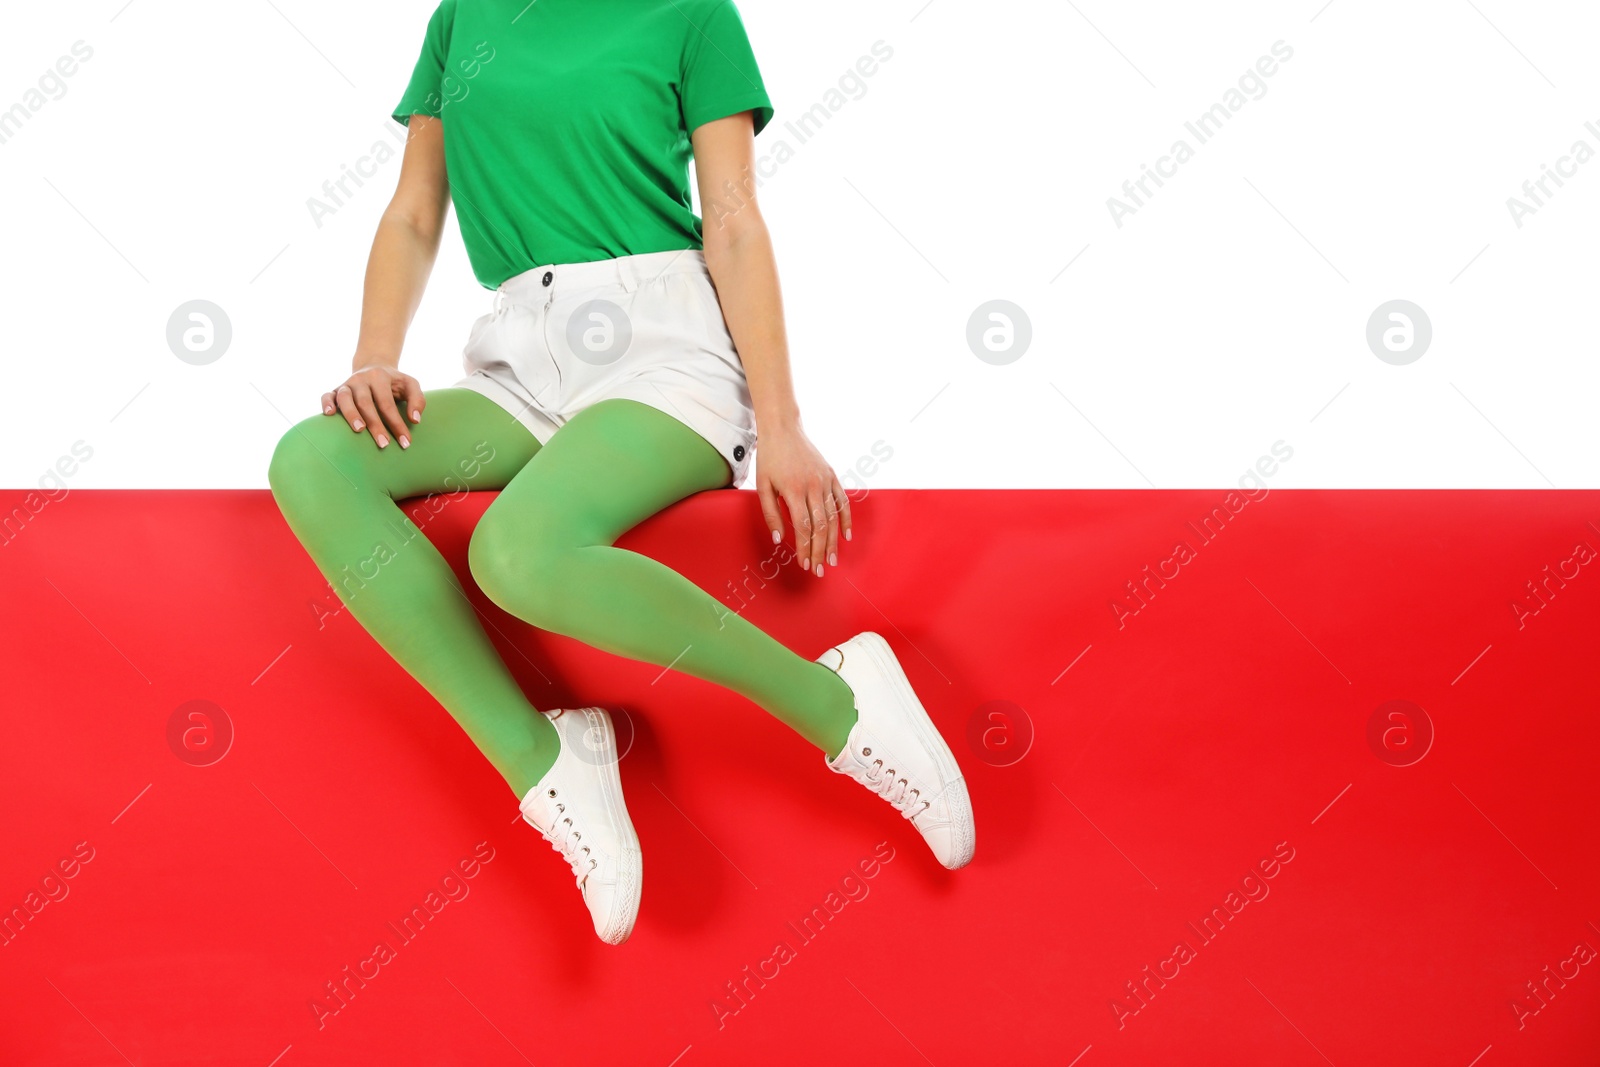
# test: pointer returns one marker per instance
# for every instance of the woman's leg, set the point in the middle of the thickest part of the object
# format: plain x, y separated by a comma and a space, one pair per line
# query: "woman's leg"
337, 490
544, 552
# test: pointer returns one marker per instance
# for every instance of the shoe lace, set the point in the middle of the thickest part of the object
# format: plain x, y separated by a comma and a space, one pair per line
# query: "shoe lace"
899, 792
567, 840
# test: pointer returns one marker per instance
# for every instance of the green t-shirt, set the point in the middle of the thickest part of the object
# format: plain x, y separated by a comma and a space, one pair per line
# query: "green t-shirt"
567, 122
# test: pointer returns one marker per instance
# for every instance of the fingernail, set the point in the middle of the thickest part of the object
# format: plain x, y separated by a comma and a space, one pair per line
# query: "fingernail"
833, 559
776, 537
819, 570
405, 442
383, 442
328, 410
416, 416
847, 535
356, 425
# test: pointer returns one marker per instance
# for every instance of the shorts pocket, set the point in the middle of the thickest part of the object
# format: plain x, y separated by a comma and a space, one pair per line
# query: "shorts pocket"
710, 307
714, 337
511, 345
470, 360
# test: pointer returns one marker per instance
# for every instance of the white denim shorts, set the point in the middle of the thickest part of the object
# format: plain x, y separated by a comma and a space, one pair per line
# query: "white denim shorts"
646, 327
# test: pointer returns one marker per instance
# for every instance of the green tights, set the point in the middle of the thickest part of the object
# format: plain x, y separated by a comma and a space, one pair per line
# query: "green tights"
544, 551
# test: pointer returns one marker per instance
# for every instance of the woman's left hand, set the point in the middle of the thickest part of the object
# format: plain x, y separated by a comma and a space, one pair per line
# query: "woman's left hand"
791, 469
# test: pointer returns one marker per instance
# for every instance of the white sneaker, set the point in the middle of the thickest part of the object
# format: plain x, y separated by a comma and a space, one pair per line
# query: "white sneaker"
895, 750
577, 807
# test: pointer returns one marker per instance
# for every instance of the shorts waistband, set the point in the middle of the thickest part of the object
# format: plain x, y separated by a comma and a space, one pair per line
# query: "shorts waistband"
625, 272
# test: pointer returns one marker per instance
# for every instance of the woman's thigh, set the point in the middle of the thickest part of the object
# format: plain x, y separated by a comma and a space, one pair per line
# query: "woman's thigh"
610, 467
464, 441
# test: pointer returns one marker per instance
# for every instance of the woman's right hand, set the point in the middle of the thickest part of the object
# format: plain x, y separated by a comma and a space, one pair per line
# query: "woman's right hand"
367, 402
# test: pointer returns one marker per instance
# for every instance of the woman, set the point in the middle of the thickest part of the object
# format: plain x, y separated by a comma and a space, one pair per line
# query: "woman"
631, 354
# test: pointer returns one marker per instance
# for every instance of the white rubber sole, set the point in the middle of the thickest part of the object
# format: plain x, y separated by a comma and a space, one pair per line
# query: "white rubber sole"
960, 802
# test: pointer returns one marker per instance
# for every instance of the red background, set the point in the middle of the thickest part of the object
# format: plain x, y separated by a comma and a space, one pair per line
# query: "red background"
1227, 716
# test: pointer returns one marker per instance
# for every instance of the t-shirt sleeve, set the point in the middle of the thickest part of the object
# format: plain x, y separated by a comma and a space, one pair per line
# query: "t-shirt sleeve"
425, 95
720, 75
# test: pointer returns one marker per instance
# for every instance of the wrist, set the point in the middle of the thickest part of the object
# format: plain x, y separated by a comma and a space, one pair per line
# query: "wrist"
367, 360
778, 422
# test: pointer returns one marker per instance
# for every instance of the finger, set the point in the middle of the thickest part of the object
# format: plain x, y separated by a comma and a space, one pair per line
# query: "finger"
370, 413
346, 399
820, 520
800, 519
817, 513
833, 523
384, 400
328, 404
769, 509
842, 498
415, 400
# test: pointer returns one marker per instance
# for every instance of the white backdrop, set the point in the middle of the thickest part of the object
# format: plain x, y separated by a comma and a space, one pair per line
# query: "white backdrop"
1171, 346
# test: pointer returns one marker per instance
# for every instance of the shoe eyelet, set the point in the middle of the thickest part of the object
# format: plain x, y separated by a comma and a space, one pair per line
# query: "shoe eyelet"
866, 752
552, 793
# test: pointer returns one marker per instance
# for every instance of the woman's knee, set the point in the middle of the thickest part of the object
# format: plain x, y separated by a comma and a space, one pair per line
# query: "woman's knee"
521, 565
310, 457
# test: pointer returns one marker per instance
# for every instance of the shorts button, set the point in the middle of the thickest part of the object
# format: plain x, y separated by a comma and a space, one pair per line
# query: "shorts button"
549, 277
738, 452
